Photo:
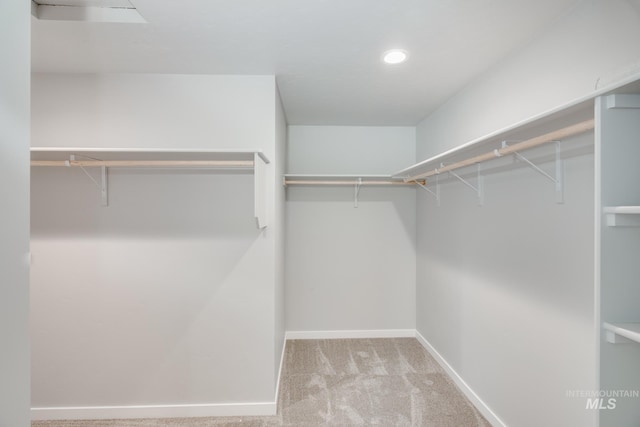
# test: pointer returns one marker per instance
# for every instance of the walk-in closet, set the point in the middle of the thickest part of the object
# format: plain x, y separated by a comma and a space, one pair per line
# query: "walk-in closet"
395, 213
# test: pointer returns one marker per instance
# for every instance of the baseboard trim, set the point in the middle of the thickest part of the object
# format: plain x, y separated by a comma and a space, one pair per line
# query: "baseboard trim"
367, 333
464, 387
154, 411
284, 347
163, 411
258, 408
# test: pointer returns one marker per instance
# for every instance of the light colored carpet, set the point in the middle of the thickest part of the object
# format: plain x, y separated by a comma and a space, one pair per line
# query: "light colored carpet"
350, 382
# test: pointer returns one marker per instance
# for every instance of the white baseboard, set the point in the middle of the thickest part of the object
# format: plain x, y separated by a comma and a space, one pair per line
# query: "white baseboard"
154, 411
468, 392
367, 333
163, 411
284, 347
258, 408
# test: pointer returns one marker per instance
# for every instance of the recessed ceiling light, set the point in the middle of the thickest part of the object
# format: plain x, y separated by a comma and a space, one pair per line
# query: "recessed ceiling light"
395, 56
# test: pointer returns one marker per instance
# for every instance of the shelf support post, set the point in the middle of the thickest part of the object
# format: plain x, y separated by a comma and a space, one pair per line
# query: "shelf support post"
259, 190
480, 186
435, 193
104, 190
103, 185
479, 190
559, 174
558, 180
356, 192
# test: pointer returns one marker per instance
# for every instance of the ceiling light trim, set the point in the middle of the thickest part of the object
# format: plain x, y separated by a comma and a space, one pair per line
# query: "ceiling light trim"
395, 56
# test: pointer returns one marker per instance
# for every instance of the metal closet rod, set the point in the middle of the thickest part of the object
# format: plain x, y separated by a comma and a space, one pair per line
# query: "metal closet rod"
144, 163
363, 182
569, 131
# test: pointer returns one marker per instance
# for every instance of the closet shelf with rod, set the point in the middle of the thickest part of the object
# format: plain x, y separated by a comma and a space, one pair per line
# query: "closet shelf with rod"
105, 158
306, 179
436, 166
356, 181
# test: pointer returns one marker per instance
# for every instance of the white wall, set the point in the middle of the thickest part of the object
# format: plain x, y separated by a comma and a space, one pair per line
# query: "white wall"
593, 47
14, 227
279, 209
505, 292
167, 296
348, 268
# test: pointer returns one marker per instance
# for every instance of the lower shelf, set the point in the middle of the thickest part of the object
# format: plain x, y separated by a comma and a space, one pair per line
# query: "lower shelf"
622, 216
618, 333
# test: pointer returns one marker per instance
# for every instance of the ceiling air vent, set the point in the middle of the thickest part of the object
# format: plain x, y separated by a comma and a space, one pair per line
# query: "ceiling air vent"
86, 10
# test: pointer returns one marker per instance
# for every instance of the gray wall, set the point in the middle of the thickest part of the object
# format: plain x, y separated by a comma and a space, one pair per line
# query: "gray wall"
592, 48
279, 225
170, 295
14, 228
505, 292
350, 268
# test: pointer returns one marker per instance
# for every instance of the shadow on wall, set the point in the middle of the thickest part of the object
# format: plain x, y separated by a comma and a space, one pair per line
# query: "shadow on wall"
132, 302
340, 201
143, 203
520, 239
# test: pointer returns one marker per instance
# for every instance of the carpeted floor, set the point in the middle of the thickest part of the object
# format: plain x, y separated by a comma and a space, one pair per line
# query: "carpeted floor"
350, 382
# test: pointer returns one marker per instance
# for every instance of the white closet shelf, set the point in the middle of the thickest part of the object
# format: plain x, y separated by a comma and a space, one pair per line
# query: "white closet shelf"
144, 157
622, 216
105, 158
435, 165
579, 112
622, 332
328, 179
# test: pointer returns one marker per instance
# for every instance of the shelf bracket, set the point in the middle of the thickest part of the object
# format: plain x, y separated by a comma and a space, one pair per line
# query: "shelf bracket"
104, 189
103, 185
558, 180
259, 190
356, 192
613, 338
479, 189
435, 193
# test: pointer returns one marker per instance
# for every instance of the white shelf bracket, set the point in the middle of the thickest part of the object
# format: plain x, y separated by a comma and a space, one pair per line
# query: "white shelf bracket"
103, 185
259, 190
356, 192
435, 193
558, 180
479, 190
613, 338
104, 190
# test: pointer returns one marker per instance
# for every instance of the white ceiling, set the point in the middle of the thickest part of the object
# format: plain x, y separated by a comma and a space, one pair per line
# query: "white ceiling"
326, 54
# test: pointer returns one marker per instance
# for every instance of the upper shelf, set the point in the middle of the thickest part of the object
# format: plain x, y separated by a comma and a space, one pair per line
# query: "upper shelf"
159, 158
487, 147
141, 157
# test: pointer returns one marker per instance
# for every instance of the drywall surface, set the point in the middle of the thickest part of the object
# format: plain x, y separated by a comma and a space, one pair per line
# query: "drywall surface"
279, 209
166, 296
350, 268
14, 227
505, 290
592, 48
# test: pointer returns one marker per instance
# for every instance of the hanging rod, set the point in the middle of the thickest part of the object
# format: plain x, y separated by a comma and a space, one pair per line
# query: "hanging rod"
144, 163
363, 182
569, 131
